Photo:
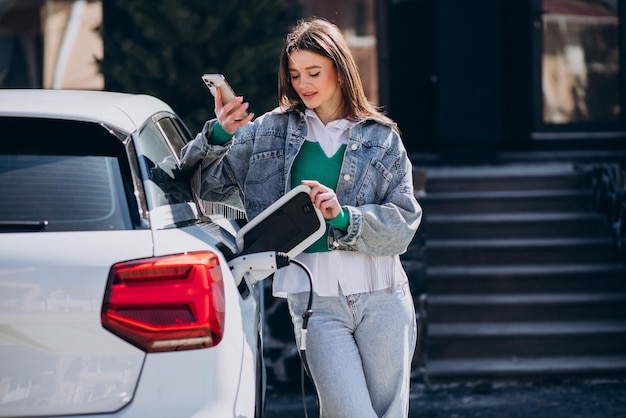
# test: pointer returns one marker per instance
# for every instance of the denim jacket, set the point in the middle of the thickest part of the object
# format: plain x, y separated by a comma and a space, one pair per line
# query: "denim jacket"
375, 184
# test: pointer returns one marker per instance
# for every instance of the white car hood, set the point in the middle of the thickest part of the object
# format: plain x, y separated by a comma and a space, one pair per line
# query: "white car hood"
52, 342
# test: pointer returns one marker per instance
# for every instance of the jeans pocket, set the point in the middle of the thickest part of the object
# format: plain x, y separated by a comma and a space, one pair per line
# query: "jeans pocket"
402, 290
297, 303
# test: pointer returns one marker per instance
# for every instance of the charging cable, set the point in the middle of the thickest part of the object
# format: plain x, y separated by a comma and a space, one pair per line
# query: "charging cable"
307, 314
303, 331
259, 266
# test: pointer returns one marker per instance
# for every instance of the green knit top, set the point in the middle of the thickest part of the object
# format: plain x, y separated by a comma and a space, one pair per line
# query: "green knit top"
311, 163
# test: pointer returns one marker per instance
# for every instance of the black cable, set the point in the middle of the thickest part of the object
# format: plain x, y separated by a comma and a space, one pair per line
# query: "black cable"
305, 322
307, 314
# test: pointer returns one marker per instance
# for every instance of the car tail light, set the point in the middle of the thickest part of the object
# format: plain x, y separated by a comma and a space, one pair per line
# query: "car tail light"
166, 303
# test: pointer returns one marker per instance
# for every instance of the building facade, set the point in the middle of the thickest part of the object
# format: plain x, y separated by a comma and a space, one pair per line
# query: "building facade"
497, 75
477, 76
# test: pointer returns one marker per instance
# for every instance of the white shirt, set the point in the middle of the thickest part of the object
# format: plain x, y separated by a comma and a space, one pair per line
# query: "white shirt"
330, 136
349, 271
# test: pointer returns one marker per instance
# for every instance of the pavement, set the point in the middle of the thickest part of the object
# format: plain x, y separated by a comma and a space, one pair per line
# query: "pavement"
597, 398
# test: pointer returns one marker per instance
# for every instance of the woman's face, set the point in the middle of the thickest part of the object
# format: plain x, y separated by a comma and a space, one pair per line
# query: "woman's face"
316, 80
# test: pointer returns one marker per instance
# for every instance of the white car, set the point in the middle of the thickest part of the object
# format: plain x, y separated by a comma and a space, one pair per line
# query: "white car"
116, 294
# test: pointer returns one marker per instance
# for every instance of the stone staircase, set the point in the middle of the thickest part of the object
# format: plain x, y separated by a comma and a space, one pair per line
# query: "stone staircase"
522, 280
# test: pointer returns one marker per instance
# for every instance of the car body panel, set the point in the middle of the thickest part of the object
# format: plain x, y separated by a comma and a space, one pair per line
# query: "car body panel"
246, 316
56, 359
51, 339
117, 110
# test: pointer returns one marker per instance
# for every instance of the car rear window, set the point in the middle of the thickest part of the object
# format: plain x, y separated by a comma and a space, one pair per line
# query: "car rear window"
61, 193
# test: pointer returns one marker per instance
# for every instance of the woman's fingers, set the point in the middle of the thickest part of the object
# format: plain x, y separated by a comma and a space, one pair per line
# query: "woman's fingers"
227, 114
324, 198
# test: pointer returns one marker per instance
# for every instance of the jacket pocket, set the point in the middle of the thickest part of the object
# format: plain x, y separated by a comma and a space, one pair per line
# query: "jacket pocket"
265, 181
375, 183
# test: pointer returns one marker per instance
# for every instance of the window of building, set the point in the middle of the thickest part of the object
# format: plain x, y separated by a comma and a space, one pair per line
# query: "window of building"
580, 61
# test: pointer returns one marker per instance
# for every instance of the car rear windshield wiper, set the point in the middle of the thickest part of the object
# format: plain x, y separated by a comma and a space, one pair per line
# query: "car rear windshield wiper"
23, 226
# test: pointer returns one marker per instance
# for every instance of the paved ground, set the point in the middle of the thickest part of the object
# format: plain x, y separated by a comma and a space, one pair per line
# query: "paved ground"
567, 399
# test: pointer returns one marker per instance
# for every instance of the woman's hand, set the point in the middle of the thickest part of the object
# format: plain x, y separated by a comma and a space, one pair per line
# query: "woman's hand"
228, 113
324, 198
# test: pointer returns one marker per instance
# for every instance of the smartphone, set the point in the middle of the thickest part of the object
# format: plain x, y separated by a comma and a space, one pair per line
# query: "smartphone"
218, 81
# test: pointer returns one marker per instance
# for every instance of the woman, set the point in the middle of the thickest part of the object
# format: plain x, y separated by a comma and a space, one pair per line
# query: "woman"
326, 135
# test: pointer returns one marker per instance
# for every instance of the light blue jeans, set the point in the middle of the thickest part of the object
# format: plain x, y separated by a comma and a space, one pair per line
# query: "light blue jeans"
359, 350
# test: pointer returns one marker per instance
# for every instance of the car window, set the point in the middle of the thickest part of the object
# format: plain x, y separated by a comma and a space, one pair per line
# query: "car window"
62, 193
48, 167
158, 150
176, 134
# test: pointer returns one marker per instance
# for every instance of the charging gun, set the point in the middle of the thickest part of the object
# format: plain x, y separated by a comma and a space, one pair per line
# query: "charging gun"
257, 266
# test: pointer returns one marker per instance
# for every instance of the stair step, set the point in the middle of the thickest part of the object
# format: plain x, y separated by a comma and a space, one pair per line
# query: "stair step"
604, 277
526, 307
528, 329
519, 251
522, 277
492, 339
520, 225
534, 368
512, 177
506, 201
538, 299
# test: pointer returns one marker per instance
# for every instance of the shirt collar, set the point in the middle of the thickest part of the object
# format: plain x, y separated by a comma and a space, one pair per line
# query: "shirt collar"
340, 124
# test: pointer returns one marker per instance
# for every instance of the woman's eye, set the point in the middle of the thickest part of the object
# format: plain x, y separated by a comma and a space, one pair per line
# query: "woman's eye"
315, 74
293, 77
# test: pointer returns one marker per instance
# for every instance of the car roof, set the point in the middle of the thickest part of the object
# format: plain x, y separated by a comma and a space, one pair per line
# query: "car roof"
124, 111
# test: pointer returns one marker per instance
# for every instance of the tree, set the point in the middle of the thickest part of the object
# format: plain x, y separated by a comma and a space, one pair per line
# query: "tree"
162, 48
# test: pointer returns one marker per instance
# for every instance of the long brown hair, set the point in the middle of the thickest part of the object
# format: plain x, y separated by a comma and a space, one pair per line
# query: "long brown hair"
324, 38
